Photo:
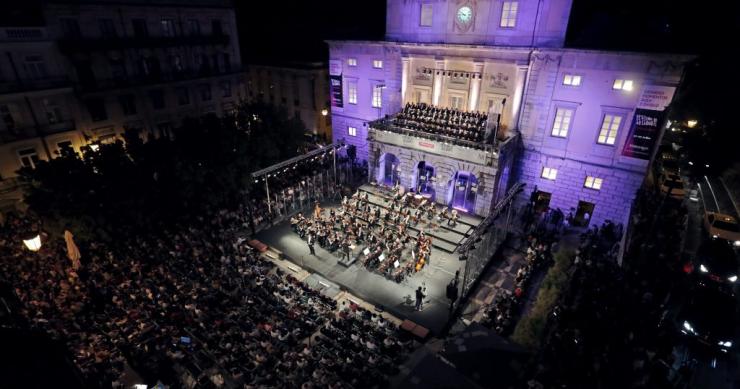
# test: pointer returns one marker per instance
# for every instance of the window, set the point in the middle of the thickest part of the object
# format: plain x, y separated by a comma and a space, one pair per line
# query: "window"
7, 116
176, 63
70, 28
226, 89
352, 131
377, 96
216, 28
193, 27
609, 128
128, 104
118, 69
157, 98
168, 27
508, 13
352, 91
593, 183
183, 97
205, 92
226, 59
572, 80
28, 158
96, 108
549, 173
378, 63
561, 125
64, 145
425, 20
53, 111
107, 28
140, 29
456, 102
35, 67
625, 85
352, 62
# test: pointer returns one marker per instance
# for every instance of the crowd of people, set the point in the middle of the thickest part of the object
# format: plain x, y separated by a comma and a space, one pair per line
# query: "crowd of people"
192, 306
604, 331
379, 235
448, 122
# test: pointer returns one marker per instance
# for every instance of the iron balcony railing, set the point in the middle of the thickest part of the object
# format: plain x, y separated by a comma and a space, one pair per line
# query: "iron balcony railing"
87, 44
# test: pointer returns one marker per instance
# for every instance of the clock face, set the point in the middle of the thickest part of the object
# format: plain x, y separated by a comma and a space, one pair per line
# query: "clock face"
464, 14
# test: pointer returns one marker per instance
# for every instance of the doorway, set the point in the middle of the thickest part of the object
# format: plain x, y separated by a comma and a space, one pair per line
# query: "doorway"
424, 184
583, 214
389, 168
542, 201
463, 191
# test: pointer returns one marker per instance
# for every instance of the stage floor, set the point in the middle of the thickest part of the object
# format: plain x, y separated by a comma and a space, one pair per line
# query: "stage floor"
396, 298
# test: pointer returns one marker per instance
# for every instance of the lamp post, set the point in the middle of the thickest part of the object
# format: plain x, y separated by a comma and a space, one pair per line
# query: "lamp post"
33, 242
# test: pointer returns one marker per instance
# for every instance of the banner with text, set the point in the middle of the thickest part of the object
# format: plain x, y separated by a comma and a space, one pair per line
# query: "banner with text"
643, 134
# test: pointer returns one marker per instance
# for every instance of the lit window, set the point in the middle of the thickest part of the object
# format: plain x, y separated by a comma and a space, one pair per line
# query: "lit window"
351, 61
508, 13
609, 128
572, 80
352, 91
593, 183
561, 125
620, 84
549, 173
377, 96
377, 64
352, 131
425, 20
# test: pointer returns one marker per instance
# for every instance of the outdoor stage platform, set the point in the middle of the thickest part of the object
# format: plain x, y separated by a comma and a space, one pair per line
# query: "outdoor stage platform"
396, 298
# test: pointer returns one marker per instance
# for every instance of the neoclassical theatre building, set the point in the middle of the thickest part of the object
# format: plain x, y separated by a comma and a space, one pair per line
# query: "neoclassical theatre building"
580, 125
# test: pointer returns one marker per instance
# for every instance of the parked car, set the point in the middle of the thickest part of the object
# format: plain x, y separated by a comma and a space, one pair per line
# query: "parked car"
722, 226
708, 318
673, 185
716, 264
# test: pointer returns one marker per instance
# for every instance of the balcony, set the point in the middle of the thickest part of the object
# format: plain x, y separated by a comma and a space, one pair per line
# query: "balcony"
151, 80
22, 34
30, 132
85, 44
34, 85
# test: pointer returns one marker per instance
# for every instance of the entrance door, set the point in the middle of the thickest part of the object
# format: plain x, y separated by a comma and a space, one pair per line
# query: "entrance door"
390, 169
421, 96
424, 174
464, 188
542, 201
583, 214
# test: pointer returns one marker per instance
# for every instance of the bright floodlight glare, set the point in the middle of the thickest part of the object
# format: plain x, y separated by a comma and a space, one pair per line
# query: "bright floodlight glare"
732, 278
692, 123
33, 244
703, 268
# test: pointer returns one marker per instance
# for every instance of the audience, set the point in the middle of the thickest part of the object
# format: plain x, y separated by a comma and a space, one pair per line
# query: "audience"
192, 306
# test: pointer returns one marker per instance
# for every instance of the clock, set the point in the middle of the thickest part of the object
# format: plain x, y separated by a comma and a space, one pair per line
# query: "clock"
464, 14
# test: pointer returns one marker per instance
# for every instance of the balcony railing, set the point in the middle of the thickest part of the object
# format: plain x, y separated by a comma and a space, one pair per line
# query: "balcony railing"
33, 85
29, 132
164, 77
386, 124
15, 34
84, 44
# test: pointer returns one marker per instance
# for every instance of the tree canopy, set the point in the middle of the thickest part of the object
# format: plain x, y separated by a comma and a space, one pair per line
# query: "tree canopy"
139, 185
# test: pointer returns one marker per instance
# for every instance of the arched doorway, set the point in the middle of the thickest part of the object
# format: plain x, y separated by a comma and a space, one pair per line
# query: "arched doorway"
462, 191
423, 177
388, 169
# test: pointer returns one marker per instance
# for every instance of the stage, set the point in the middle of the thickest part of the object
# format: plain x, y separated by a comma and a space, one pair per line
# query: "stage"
396, 298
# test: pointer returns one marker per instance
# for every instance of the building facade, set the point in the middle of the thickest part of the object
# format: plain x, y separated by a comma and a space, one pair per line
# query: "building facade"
299, 88
97, 68
588, 120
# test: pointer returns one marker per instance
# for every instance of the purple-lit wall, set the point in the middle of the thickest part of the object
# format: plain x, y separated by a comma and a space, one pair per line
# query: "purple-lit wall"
532, 81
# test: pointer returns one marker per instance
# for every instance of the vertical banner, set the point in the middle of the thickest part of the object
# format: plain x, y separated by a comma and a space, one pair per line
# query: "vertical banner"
647, 121
643, 134
335, 83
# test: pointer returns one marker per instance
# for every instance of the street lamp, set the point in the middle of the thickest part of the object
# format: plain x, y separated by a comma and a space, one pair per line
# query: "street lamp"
33, 242
324, 112
692, 123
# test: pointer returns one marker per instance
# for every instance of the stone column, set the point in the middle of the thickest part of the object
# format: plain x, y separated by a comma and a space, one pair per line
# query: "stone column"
516, 104
439, 67
475, 87
404, 78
